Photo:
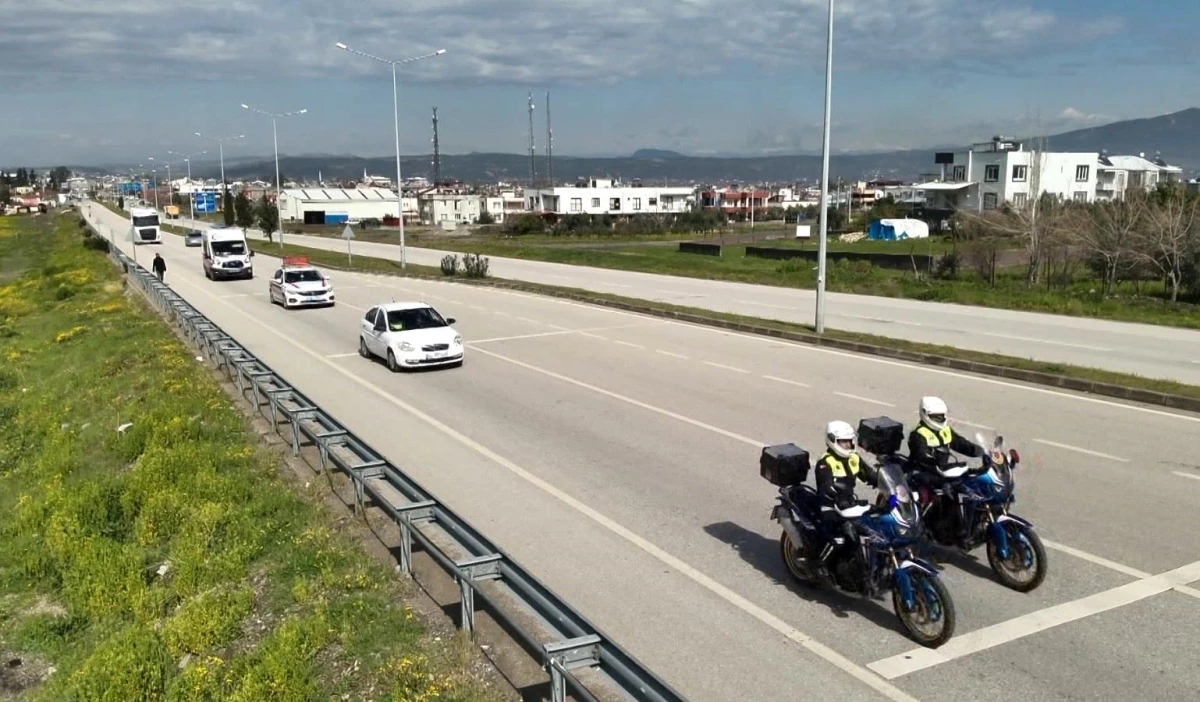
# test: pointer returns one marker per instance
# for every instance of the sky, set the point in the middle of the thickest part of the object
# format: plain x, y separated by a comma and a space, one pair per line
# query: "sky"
84, 82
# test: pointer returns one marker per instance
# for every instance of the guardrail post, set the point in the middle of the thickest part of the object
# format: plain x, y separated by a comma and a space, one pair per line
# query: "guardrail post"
298, 416
564, 656
410, 516
471, 571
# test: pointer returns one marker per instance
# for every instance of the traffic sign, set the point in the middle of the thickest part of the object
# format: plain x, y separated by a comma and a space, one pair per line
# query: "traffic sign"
347, 233
205, 202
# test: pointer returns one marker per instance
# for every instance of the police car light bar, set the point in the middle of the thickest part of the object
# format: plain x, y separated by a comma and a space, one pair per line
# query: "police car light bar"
295, 261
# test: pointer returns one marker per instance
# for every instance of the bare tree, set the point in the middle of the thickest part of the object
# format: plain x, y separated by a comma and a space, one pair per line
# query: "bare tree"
1170, 237
1110, 231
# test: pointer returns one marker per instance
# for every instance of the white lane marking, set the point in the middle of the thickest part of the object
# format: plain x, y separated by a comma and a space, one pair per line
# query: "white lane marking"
594, 336
1097, 560
789, 382
342, 355
1034, 622
1181, 474
563, 332
695, 575
864, 399
1068, 447
617, 396
873, 359
242, 295
725, 367
971, 424
672, 355
1043, 341
628, 343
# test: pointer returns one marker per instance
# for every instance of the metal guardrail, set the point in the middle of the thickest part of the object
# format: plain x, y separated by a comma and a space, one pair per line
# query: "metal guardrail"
576, 644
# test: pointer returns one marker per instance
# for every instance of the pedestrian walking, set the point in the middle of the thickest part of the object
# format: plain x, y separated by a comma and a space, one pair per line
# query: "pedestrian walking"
159, 266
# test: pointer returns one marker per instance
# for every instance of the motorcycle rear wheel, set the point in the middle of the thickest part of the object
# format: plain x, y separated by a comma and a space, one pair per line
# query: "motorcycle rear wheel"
790, 552
1021, 541
940, 633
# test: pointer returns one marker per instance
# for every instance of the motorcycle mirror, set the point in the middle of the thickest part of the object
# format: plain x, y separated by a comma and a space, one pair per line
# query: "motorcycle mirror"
1014, 457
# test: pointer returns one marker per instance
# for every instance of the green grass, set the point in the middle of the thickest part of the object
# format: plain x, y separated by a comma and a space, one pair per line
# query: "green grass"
168, 560
384, 266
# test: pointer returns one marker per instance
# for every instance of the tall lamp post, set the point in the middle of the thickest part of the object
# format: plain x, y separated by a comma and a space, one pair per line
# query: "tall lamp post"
821, 242
396, 118
187, 158
221, 144
275, 134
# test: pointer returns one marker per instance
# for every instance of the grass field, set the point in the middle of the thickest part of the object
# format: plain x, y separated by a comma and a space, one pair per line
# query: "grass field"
151, 549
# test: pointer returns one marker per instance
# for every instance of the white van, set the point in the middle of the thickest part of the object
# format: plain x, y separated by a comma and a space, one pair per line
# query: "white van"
226, 254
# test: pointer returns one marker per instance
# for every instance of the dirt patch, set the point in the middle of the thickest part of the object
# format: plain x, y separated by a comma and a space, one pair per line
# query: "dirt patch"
45, 606
21, 672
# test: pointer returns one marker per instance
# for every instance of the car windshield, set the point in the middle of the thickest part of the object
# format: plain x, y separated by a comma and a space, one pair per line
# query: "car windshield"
308, 276
145, 221
229, 248
419, 318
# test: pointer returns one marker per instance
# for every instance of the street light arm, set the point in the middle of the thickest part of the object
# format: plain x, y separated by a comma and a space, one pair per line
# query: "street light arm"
343, 47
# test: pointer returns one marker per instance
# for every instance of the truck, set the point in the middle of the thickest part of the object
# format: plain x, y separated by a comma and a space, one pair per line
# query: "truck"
226, 254
145, 225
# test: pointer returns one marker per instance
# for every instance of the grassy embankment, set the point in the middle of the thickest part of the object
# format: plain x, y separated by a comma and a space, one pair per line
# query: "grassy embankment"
151, 549
368, 264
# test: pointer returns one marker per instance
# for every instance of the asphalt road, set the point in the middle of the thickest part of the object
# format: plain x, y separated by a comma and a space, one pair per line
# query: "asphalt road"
615, 456
1141, 349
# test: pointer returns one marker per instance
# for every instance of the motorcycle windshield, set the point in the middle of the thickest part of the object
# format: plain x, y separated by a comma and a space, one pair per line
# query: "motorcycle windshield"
893, 483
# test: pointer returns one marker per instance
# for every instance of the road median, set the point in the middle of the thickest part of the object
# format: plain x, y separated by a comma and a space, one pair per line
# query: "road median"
1122, 386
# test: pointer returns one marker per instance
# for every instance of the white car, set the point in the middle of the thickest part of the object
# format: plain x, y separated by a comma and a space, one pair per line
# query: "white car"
410, 335
298, 284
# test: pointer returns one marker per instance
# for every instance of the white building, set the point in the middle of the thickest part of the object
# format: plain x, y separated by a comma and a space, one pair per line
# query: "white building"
506, 204
999, 171
1117, 174
337, 205
438, 209
601, 196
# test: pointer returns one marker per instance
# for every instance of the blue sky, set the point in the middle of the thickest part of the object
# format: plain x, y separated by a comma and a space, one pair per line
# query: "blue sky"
126, 81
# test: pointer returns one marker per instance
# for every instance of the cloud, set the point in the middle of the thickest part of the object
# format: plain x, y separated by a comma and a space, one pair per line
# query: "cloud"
1075, 116
534, 42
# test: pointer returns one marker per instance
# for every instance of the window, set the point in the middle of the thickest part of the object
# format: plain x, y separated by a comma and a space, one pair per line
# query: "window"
1020, 173
653, 202
1020, 199
595, 202
614, 204
415, 318
960, 173
637, 203
369, 317
576, 204
1081, 173
989, 201
307, 275
991, 173
1081, 195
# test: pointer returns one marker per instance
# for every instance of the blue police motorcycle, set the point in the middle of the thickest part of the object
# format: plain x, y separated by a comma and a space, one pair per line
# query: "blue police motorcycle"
884, 538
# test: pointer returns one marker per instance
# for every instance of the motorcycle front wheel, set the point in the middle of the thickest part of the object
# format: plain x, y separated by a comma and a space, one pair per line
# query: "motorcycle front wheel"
931, 620
791, 554
1025, 567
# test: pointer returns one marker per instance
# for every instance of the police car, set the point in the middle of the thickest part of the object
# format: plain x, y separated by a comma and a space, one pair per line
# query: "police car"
298, 284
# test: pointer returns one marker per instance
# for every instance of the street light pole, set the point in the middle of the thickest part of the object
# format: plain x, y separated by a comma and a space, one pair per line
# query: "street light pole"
821, 242
275, 134
221, 146
187, 158
396, 120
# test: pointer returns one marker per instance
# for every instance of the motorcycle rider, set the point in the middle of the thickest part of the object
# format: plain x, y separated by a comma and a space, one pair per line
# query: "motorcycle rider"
838, 471
929, 447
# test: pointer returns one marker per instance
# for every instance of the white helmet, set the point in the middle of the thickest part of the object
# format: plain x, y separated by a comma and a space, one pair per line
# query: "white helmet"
933, 413
838, 431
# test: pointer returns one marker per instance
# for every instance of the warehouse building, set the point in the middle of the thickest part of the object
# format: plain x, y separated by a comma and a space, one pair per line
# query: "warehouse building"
340, 205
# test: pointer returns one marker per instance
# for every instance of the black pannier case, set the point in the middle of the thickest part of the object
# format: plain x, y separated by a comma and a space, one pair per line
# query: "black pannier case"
784, 465
880, 435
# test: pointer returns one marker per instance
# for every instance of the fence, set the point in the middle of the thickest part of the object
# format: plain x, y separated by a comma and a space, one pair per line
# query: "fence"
575, 645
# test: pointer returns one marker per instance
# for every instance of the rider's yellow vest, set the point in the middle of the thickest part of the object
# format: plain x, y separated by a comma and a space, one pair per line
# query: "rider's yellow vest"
941, 438
839, 467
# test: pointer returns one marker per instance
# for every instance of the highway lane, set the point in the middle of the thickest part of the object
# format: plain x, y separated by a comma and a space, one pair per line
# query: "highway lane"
656, 426
1141, 349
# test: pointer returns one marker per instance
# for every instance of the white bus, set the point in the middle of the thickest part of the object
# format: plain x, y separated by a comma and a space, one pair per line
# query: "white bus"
226, 253
145, 225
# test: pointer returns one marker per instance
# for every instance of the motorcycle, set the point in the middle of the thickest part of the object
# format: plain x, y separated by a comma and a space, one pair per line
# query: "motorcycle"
1014, 550
884, 537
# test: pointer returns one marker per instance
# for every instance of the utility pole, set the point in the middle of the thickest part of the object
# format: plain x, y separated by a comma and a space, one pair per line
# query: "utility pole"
532, 162
437, 153
549, 143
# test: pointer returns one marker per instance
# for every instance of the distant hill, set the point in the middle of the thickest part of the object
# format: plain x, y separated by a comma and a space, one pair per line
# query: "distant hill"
1176, 136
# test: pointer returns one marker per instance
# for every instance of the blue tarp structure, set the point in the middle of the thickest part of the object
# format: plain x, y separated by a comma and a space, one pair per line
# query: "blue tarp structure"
896, 229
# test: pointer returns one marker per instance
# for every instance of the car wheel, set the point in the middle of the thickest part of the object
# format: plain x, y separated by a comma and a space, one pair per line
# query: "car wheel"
391, 362
362, 348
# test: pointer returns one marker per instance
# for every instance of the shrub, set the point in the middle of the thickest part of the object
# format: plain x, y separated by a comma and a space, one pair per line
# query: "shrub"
130, 666
208, 621
475, 266
450, 264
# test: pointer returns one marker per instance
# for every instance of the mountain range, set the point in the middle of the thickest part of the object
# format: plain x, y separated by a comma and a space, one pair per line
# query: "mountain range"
1175, 136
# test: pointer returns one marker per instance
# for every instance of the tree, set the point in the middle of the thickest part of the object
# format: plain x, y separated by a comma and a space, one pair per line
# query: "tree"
268, 216
1170, 237
244, 212
1110, 230
227, 207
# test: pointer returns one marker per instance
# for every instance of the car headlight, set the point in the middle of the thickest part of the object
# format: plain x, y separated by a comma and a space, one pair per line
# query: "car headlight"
405, 346
458, 340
